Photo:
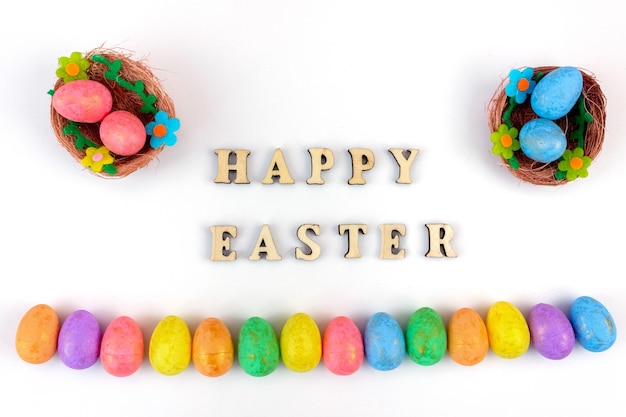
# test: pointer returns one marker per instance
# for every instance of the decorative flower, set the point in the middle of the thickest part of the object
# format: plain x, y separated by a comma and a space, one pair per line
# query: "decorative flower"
574, 164
73, 67
97, 158
505, 141
520, 84
162, 129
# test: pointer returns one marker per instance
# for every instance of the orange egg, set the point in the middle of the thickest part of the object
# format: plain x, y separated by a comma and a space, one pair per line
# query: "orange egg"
37, 334
212, 350
468, 342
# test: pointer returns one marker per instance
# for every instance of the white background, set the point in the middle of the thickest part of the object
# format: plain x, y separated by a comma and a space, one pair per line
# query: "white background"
293, 75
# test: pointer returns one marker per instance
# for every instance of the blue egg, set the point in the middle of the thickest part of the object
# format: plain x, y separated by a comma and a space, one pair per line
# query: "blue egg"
557, 92
542, 140
593, 324
384, 343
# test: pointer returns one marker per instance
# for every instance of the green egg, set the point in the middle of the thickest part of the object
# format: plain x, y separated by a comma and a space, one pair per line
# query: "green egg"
258, 350
426, 338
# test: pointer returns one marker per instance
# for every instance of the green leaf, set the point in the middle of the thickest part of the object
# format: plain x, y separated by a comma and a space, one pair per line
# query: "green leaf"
80, 142
110, 169
560, 175
514, 163
139, 87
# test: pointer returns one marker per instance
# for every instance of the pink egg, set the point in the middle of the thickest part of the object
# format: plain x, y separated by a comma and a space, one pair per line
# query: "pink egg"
121, 352
83, 101
342, 346
122, 133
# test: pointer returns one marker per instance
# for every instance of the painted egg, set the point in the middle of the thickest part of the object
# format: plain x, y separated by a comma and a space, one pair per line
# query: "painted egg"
426, 338
170, 346
37, 334
122, 133
342, 346
384, 342
83, 101
551, 332
468, 342
79, 340
258, 350
593, 325
300, 343
542, 140
557, 92
122, 348
212, 350
509, 336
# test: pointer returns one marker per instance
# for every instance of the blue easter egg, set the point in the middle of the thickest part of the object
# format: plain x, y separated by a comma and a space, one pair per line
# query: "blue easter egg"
542, 140
384, 343
593, 324
556, 93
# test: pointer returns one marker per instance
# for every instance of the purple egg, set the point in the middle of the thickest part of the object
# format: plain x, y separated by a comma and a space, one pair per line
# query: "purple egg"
79, 340
551, 332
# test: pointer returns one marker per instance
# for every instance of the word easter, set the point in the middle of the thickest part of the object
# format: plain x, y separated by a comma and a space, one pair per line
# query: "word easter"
439, 236
234, 164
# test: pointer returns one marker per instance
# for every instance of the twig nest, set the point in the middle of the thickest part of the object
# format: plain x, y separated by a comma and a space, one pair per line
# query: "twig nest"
110, 112
547, 123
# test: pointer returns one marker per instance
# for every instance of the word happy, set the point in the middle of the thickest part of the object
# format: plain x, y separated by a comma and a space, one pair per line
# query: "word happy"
232, 165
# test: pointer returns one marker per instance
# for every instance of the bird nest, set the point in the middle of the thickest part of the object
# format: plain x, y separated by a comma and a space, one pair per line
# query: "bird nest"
133, 89
583, 127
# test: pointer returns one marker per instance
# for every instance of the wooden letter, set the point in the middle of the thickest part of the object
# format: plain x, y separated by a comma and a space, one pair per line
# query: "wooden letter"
314, 249
362, 160
390, 241
224, 167
278, 168
265, 244
404, 164
322, 159
221, 243
439, 237
353, 238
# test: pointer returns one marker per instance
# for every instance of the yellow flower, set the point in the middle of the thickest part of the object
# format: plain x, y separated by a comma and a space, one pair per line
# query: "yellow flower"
96, 158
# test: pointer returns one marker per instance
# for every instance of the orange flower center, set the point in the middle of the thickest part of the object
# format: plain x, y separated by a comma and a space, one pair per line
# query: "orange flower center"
523, 84
159, 130
576, 162
506, 141
72, 69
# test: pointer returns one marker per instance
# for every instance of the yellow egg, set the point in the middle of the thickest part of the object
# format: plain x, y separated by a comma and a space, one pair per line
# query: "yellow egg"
509, 336
300, 343
170, 346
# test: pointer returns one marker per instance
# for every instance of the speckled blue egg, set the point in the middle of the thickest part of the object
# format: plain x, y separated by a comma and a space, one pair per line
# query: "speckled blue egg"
556, 93
542, 140
384, 343
593, 325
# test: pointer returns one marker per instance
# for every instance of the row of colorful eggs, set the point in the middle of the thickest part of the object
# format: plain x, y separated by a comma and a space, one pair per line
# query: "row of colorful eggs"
301, 346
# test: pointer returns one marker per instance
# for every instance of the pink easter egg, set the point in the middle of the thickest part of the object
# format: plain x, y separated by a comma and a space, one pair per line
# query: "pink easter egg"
122, 133
83, 101
121, 352
342, 346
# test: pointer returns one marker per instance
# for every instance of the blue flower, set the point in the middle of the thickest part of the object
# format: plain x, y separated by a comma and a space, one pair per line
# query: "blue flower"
520, 85
162, 129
